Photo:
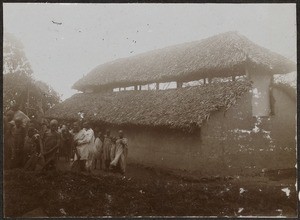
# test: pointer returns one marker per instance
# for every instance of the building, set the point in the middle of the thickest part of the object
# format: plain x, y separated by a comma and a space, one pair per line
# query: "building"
237, 120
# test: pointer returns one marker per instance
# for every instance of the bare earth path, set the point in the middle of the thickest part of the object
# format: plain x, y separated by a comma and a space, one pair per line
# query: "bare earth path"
144, 192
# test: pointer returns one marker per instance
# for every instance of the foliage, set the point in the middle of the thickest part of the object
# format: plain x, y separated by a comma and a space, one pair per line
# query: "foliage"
34, 97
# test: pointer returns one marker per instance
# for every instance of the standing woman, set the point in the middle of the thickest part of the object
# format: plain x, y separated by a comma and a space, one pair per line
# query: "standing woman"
99, 150
121, 153
107, 145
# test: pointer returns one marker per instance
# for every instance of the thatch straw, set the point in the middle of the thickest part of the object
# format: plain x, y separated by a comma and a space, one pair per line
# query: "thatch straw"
218, 56
183, 108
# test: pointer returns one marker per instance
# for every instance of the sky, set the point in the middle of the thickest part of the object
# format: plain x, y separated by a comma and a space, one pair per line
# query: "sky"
92, 34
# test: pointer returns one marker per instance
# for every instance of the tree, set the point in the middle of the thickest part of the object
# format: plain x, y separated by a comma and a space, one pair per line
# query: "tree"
34, 97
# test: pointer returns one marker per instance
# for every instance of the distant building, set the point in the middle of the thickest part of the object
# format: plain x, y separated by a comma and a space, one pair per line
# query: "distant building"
243, 124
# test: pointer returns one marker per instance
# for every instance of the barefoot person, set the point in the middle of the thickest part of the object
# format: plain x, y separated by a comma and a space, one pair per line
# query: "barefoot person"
99, 150
65, 143
51, 142
31, 149
78, 134
121, 153
86, 146
107, 145
19, 134
8, 125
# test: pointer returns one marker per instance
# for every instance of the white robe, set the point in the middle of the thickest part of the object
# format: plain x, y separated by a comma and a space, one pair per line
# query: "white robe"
77, 137
87, 147
121, 154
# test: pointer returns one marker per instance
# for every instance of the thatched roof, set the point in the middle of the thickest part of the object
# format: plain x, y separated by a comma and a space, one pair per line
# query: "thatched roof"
218, 56
183, 108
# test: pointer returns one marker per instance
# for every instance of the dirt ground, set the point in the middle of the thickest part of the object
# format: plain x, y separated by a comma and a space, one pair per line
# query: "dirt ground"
145, 192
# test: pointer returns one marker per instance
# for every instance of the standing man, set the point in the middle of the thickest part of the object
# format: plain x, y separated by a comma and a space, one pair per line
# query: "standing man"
50, 145
8, 144
65, 149
99, 150
19, 134
107, 145
121, 153
78, 134
31, 149
86, 146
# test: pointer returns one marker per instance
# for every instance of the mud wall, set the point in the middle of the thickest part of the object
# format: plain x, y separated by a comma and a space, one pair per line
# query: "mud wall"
260, 92
232, 142
251, 144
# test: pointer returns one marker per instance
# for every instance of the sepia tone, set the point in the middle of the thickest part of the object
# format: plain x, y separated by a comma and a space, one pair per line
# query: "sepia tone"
199, 128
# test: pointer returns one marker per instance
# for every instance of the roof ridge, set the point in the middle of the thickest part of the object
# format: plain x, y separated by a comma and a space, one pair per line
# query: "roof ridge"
220, 55
170, 46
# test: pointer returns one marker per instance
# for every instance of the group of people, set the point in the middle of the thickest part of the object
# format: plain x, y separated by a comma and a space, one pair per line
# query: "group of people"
92, 147
29, 145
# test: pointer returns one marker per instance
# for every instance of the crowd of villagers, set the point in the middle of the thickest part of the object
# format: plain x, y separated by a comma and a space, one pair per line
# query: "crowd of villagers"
30, 145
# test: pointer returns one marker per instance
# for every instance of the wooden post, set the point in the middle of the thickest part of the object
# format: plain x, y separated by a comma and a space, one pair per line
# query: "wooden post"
204, 81
135, 87
233, 78
209, 80
157, 86
148, 87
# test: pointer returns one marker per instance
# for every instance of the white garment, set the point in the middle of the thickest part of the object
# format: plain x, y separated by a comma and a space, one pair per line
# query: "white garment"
121, 154
78, 137
87, 147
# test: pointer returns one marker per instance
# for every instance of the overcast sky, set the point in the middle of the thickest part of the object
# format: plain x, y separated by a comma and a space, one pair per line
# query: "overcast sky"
92, 34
